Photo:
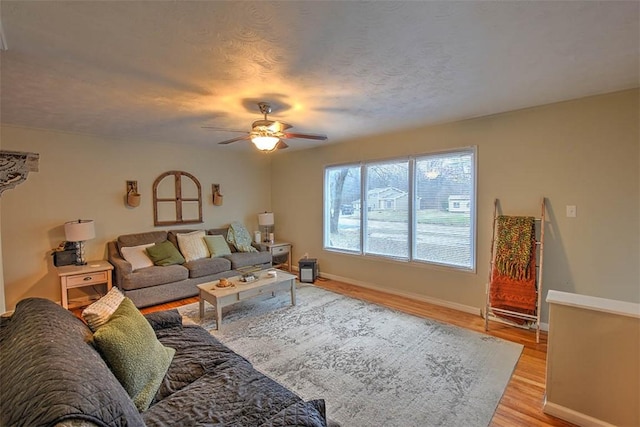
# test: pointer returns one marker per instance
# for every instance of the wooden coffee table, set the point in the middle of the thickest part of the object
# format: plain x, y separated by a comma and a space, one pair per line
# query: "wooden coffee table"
224, 297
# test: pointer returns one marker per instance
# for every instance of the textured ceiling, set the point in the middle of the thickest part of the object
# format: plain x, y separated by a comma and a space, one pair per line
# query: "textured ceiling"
161, 70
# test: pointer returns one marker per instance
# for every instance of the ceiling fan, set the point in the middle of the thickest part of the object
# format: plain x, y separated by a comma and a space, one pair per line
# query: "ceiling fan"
267, 135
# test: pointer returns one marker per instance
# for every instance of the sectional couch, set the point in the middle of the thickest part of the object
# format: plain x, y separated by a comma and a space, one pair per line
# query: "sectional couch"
55, 372
159, 284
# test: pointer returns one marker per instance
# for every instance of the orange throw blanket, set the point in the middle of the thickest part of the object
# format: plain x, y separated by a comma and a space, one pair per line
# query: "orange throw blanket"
515, 293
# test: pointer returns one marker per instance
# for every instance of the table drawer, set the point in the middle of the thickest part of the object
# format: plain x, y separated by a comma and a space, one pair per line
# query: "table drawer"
280, 250
87, 279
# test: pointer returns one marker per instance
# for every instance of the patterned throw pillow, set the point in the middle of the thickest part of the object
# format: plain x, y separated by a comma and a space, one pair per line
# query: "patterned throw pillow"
100, 311
217, 245
192, 245
239, 237
137, 256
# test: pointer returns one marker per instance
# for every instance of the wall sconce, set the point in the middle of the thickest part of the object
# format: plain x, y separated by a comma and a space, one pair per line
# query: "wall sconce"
217, 194
133, 197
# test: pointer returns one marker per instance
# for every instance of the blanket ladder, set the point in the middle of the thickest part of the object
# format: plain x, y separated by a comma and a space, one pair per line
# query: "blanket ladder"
494, 312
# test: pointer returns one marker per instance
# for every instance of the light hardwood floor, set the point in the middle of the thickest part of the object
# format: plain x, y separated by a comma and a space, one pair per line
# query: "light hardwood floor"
521, 404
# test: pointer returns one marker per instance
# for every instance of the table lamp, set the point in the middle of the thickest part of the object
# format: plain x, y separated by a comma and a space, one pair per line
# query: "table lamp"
265, 220
79, 231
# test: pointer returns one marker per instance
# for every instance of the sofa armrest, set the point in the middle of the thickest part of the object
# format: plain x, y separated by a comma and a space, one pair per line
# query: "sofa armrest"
121, 267
260, 246
164, 319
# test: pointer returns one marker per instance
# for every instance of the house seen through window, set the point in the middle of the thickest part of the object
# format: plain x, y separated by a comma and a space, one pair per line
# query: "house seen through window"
418, 209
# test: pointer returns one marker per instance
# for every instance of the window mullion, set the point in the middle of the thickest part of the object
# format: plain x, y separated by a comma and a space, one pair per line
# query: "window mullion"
363, 208
411, 209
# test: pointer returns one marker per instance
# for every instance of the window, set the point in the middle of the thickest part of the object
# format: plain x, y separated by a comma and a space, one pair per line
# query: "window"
445, 187
342, 208
387, 216
418, 209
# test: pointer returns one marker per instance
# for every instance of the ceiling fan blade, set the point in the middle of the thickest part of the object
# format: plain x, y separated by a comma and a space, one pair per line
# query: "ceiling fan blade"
223, 129
229, 141
281, 145
306, 136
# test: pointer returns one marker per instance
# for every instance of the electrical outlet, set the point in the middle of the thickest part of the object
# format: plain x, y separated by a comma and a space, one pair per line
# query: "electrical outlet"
306, 255
572, 211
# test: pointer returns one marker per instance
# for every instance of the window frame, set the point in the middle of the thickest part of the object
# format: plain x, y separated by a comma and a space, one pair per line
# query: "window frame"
413, 203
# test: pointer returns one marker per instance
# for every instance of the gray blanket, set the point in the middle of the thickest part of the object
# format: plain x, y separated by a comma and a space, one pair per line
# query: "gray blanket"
50, 373
208, 384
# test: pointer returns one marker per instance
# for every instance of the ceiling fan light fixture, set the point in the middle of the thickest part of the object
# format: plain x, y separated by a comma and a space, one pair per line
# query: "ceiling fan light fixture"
265, 142
268, 135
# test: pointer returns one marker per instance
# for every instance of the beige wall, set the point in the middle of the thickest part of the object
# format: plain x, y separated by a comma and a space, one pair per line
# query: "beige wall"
583, 152
593, 360
84, 177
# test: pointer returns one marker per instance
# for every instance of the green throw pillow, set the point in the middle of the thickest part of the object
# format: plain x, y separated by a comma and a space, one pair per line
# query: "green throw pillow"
164, 254
134, 354
217, 245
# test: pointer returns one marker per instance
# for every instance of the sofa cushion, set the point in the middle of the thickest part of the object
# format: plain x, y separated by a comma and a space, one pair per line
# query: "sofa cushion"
206, 266
164, 254
50, 372
192, 245
136, 357
217, 245
197, 352
100, 311
137, 256
164, 320
153, 276
141, 239
245, 259
235, 394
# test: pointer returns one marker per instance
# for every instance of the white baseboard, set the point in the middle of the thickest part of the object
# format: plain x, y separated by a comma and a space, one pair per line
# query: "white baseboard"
572, 416
435, 301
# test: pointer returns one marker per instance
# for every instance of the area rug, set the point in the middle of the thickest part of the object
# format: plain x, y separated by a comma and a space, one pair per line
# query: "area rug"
374, 366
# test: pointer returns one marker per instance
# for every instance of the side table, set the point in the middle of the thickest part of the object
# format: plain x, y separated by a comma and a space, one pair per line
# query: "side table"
280, 250
78, 276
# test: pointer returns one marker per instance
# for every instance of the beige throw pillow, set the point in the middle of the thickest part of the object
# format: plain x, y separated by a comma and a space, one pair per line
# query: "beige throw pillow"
137, 256
100, 311
192, 245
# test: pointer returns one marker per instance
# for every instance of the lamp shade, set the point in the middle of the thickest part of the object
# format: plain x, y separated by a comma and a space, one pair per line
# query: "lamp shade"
80, 230
265, 219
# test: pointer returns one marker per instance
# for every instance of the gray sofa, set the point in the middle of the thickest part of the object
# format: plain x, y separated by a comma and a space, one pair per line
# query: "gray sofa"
53, 375
157, 285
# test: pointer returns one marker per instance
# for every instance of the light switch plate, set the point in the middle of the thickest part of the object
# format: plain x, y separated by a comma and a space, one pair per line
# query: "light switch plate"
572, 211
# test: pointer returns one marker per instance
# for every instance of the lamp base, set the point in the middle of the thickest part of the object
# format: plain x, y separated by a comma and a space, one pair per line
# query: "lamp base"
80, 258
